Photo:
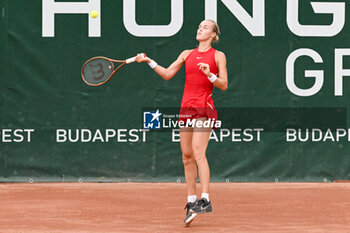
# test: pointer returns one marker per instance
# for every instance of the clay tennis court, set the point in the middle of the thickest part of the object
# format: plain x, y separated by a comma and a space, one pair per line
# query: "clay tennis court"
158, 207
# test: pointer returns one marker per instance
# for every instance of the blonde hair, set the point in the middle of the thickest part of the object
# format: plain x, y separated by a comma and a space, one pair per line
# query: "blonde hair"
216, 29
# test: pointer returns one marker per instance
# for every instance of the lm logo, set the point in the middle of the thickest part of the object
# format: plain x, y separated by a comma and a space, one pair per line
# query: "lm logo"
151, 120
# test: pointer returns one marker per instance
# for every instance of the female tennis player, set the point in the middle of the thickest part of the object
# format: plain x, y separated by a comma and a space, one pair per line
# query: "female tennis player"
205, 68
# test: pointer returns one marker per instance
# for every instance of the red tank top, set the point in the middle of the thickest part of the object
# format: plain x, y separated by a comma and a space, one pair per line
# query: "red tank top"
198, 88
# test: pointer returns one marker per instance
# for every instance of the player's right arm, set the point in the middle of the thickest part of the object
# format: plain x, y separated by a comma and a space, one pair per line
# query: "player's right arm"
166, 73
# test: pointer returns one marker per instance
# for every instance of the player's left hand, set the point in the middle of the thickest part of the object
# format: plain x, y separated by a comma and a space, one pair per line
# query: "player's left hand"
204, 68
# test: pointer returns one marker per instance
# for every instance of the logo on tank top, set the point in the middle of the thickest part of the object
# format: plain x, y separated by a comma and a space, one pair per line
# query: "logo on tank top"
199, 58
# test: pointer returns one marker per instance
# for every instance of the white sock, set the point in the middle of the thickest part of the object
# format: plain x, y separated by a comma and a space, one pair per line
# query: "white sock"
192, 198
206, 196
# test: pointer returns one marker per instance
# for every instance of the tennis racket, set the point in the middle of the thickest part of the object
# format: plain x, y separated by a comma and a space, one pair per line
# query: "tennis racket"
99, 70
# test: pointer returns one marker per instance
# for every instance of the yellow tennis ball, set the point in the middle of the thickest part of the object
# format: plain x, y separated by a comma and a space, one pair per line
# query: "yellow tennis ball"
94, 14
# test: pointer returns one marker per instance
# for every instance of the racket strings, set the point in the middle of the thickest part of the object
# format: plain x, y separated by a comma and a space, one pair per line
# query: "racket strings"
97, 71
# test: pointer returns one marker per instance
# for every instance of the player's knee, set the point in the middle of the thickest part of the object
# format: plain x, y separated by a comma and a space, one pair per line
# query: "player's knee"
196, 150
187, 159
199, 156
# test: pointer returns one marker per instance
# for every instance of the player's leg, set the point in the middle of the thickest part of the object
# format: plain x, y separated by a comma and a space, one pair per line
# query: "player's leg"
190, 171
188, 160
200, 141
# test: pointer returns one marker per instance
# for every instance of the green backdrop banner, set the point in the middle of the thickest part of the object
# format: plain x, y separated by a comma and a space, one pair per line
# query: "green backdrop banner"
287, 61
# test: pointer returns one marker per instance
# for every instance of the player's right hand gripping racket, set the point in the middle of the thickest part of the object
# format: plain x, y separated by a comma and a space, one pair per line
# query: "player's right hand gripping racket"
99, 70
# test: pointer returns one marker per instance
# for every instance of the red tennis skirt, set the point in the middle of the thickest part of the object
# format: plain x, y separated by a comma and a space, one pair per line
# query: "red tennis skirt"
190, 113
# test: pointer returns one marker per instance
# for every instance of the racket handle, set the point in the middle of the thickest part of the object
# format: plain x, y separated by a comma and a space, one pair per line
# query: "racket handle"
130, 60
